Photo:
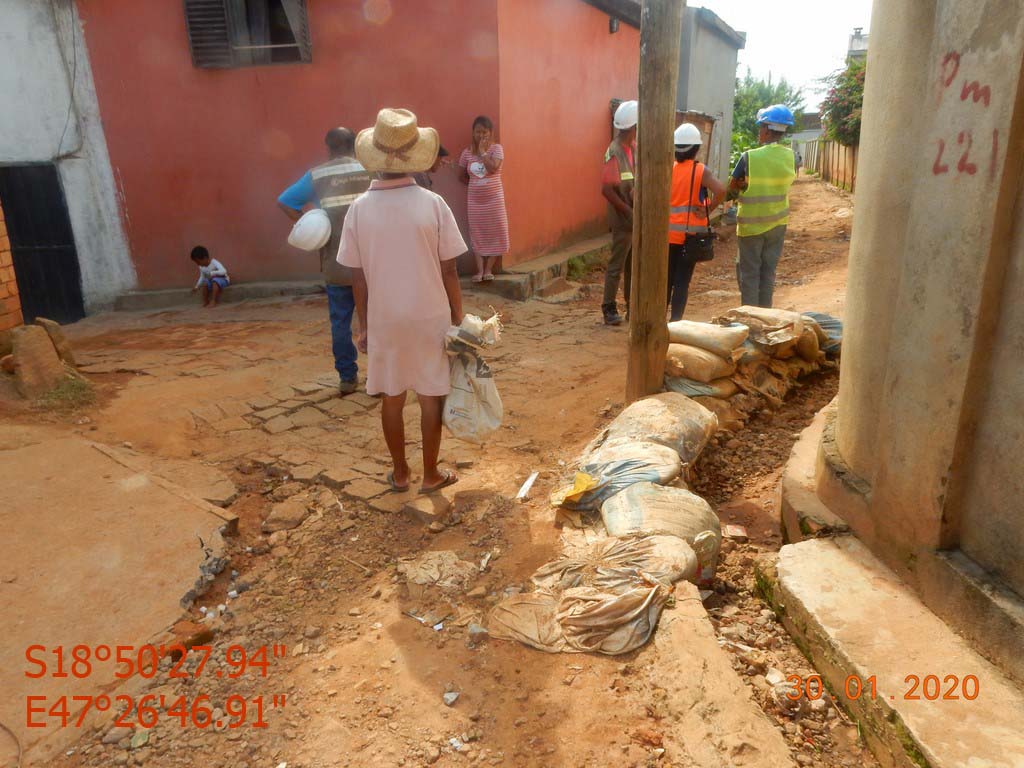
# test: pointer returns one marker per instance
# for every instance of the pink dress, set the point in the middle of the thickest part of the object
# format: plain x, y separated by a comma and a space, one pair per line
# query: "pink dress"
399, 233
488, 222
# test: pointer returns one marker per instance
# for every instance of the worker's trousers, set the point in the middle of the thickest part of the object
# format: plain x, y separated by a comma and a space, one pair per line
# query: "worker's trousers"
755, 265
619, 266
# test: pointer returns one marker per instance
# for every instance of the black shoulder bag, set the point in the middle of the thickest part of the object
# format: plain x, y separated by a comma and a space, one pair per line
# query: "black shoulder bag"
700, 247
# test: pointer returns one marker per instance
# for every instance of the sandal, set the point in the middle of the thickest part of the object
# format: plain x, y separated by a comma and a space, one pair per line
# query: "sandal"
477, 278
395, 487
488, 278
450, 478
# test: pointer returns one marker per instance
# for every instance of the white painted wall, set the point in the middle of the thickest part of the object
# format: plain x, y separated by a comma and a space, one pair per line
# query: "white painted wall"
41, 49
707, 83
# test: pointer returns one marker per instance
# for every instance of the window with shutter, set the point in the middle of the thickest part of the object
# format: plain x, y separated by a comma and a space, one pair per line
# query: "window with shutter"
208, 34
238, 33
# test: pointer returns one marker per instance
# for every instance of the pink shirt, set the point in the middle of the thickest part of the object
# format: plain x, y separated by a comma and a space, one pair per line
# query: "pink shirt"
398, 233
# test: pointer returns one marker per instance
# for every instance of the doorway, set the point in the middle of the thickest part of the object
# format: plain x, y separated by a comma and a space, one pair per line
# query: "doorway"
42, 244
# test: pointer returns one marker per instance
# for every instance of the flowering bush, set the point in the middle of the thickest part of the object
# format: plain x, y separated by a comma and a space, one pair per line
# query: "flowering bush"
841, 109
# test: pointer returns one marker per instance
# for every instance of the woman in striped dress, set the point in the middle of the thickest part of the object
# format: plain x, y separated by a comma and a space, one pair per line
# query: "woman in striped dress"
488, 222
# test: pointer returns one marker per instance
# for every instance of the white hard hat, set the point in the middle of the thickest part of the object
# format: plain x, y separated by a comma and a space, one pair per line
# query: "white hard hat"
626, 115
312, 231
687, 135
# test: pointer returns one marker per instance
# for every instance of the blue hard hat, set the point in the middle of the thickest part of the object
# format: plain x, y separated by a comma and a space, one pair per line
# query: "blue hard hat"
775, 115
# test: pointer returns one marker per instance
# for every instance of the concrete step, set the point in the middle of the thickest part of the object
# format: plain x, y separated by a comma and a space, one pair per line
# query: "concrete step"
858, 621
804, 515
135, 301
528, 278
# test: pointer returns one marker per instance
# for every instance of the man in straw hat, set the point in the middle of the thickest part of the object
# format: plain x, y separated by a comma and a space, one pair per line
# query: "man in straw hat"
402, 242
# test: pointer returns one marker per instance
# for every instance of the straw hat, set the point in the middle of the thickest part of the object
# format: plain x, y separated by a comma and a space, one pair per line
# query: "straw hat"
396, 145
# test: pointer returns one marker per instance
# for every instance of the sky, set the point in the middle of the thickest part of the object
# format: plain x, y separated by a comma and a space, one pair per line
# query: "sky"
800, 40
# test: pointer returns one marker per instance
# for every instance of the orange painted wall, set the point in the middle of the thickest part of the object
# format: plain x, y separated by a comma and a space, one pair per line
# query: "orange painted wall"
201, 155
10, 301
559, 68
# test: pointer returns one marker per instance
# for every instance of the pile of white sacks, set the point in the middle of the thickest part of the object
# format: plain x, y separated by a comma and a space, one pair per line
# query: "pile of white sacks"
645, 530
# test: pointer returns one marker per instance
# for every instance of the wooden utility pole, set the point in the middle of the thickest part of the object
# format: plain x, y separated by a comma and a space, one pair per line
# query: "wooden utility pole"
661, 23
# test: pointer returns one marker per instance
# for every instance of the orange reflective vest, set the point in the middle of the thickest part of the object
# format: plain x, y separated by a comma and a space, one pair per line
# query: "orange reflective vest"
687, 213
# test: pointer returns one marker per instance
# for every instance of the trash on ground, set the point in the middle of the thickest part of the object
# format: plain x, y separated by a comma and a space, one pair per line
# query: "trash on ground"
443, 569
524, 490
596, 483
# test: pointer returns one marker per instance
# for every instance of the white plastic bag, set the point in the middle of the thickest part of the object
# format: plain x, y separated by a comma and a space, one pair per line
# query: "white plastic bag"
472, 410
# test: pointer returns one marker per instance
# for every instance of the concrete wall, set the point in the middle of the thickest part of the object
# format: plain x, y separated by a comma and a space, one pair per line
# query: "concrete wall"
560, 68
10, 304
47, 118
201, 155
931, 400
707, 79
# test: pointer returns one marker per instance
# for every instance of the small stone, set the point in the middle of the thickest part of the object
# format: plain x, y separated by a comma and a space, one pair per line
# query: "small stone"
37, 366
435, 527
285, 516
277, 538
477, 633
450, 698
477, 592
428, 509
58, 339
311, 632
431, 754
115, 734
354, 612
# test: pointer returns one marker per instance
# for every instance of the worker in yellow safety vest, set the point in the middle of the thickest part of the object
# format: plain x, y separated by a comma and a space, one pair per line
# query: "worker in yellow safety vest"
763, 177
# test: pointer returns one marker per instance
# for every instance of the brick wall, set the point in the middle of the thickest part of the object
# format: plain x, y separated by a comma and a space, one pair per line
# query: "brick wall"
10, 304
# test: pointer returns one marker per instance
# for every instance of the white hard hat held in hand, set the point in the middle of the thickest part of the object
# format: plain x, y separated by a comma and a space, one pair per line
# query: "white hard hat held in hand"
687, 135
626, 115
312, 231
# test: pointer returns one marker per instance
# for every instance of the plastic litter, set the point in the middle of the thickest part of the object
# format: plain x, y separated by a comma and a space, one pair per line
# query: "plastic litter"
524, 490
443, 569
596, 483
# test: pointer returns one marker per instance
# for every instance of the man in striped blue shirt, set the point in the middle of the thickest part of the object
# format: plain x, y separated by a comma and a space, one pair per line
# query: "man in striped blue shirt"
333, 186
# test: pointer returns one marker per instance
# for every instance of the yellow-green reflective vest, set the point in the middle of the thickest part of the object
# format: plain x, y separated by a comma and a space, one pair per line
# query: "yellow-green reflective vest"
765, 203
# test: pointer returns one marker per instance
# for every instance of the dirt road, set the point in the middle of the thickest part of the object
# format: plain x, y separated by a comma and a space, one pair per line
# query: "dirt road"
236, 388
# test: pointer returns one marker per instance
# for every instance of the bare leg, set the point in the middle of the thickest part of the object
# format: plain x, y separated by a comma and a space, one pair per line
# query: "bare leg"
430, 425
215, 294
481, 265
394, 435
206, 294
489, 264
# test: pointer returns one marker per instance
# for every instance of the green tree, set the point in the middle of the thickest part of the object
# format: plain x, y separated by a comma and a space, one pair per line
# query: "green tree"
751, 95
841, 109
